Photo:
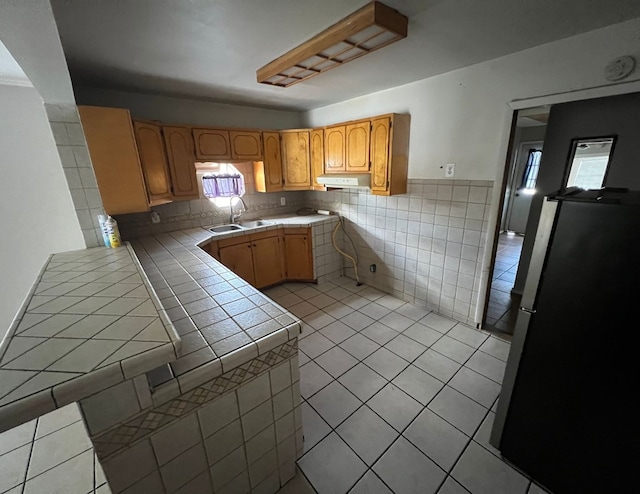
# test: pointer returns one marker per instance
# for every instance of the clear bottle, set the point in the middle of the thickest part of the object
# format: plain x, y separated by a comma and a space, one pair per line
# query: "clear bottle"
102, 220
114, 233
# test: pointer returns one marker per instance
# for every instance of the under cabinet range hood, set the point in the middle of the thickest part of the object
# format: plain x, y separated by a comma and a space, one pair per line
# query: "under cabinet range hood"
346, 180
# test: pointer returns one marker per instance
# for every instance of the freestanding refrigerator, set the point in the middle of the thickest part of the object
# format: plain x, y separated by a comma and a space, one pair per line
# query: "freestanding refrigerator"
569, 413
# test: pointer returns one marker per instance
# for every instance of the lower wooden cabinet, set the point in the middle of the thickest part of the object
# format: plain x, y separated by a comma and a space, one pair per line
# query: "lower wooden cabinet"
298, 254
267, 258
239, 259
257, 258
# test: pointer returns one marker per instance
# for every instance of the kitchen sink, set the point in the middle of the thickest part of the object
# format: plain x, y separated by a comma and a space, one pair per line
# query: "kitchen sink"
225, 228
255, 223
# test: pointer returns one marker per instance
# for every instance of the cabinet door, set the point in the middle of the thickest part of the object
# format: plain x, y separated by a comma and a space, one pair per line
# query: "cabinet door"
153, 159
115, 160
179, 144
295, 160
267, 261
357, 147
298, 256
245, 145
238, 258
334, 149
317, 157
268, 173
212, 144
380, 154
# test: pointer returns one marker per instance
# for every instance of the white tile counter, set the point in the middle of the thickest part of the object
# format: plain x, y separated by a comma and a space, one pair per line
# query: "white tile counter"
90, 321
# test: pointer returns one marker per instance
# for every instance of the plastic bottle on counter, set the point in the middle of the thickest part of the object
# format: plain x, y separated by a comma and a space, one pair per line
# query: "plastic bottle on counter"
102, 220
114, 233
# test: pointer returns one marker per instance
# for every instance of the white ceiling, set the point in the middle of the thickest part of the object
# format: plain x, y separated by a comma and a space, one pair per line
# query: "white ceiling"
210, 49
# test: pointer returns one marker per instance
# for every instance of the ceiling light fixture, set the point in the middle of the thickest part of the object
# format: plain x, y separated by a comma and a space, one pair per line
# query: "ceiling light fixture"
373, 26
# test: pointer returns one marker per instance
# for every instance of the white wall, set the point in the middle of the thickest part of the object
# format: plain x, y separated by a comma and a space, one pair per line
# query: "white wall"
36, 212
464, 117
188, 111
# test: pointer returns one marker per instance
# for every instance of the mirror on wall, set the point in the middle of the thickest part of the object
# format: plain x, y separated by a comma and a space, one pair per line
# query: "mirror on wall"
590, 162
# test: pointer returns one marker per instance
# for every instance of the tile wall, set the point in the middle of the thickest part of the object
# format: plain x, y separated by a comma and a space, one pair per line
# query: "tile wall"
427, 245
240, 432
327, 263
76, 162
202, 212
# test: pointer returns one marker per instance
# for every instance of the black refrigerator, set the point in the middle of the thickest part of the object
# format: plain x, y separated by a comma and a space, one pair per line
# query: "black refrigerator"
568, 413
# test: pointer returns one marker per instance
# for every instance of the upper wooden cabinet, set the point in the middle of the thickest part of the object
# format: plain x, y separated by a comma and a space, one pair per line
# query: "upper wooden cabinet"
246, 145
212, 144
317, 158
114, 156
179, 143
227, 145
346, 148
334, 149
357, 147
268, 172
389, 154
296, 160
153, 159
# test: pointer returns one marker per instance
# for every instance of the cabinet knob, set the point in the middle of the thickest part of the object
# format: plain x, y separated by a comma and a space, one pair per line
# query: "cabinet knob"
254, 245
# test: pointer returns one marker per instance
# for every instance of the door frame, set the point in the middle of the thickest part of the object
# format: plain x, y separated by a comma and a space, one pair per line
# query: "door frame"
514, 179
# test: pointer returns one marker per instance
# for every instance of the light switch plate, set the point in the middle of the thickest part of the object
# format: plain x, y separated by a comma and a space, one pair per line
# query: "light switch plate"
449, 170
283, 201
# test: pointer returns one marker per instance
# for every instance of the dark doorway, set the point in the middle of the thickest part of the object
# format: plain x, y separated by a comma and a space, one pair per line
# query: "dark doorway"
519, 189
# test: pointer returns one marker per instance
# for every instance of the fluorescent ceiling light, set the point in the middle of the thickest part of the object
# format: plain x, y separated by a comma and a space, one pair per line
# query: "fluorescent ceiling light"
373, 26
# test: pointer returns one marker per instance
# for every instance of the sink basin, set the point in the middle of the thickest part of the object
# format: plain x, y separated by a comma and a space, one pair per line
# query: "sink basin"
255, 223
225, 228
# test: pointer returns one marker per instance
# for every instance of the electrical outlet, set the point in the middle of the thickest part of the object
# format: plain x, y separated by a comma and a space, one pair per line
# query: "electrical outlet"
155, 217
449, 170
283, 201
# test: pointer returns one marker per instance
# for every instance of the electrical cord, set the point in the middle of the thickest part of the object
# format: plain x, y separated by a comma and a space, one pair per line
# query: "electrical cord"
354, 260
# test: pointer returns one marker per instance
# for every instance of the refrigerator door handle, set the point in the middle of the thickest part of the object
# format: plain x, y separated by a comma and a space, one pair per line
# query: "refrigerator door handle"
528, 311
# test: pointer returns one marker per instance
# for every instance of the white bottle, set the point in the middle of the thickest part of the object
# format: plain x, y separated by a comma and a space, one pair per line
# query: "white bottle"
102, 220
114, 233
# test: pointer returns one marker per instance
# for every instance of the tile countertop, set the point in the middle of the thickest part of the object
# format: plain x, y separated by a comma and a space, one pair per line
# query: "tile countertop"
222, 320
90, 321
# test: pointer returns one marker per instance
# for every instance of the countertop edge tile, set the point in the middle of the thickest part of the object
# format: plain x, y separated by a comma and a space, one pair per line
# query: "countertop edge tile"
26, 409
98, 380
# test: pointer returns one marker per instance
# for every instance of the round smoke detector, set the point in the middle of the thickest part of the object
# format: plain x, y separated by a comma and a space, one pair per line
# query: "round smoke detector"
619, 68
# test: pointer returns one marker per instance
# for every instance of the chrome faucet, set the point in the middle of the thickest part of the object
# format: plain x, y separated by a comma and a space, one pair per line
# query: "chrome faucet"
233, 217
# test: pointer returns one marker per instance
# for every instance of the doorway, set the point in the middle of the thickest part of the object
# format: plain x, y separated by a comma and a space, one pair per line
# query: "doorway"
505, 291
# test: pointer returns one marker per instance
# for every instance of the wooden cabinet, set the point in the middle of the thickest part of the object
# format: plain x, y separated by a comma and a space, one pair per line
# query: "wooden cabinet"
347, 148
180, 153
295, 160
267, 260
334, 149
227, 145
257, 258
317, 157
239, 259
153, 159
212, 144
357, 147
389, 154
267, 173
298, 254
245, 145
114, 156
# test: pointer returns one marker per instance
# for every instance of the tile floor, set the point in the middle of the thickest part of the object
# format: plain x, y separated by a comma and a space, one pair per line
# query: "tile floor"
503, 305
53, 455
395, 399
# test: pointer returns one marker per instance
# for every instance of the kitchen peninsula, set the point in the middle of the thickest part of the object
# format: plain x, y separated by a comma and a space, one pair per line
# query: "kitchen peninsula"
171, 357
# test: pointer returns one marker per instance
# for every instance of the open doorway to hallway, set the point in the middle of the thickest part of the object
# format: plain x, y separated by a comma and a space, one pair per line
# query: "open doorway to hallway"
507, 283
